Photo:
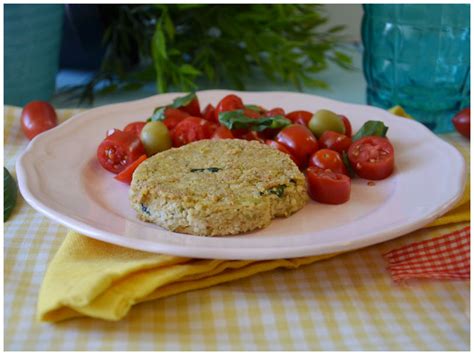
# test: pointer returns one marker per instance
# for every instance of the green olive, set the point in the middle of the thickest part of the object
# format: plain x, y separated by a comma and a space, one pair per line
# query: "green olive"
325, 120
155, 137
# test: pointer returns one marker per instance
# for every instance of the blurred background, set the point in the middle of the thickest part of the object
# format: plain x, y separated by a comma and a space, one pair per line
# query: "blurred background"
383, 55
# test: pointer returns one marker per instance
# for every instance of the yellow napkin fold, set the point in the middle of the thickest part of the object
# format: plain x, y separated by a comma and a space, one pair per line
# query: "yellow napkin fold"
91, 278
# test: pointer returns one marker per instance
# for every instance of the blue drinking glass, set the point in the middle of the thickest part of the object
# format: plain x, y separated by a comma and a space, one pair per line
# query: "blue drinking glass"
418, 57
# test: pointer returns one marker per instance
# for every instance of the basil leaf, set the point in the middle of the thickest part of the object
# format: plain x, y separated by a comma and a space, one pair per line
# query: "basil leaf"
9, 194
347, 164
158, 114
238, 120
371, 128
253, 108
183, 100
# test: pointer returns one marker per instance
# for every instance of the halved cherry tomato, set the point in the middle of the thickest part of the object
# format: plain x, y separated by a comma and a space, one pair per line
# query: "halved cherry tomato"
326, 186
192, 129
222, 132
119, 150
281, 148
135, 128
171, 112
208, 113
347, 126
251, 136
275, 111
127, 174
37, 117
328, 159
228, 103
462, 122
300, 142
300, 117
193, 108
372, 157
335, 141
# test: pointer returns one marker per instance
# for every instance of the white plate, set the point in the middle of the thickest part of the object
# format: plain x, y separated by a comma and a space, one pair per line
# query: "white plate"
59, 175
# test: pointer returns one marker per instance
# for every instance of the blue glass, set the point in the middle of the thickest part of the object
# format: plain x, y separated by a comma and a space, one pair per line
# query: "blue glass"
32, 39
418, 57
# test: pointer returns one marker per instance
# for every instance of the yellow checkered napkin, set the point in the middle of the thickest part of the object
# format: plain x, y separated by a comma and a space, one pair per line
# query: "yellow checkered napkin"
92, 278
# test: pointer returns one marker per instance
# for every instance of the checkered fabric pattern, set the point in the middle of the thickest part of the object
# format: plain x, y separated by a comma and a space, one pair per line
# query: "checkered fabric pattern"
348, 302
445, 257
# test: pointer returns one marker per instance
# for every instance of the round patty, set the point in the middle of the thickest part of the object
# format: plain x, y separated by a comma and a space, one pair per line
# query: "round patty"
217, 187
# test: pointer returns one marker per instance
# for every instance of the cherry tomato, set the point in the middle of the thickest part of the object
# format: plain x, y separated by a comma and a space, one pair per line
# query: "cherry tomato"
275, 112
193, 108
135, 128
328, 159
222, 132
300, 142
228, 103
37, 117
462, 122
251, 113
347, 126
208, 113
173, 116
127, 174
251, 136
281, 148
300, 117
191, 129
372, 157
335, 141
326, 186
119, 150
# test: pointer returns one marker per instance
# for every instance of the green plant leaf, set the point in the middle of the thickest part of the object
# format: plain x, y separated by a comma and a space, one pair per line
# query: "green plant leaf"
9, 194
158, 114
237, 120
371, 128
189, 69
347, 164
183, 100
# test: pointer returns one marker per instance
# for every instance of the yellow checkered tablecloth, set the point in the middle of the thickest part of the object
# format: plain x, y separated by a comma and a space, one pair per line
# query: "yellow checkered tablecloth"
345, 303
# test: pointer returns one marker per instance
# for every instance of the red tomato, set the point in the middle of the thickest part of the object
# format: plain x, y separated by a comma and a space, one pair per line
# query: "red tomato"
228, 103
300, 117
300, 142
193, 108
328, 159
281, 148
208, 113
251, 136
135, 128
176, 113
326, 186
222, 132
119, 150
462, 122
127, 174
37, 117
275, 112
251, 113
335, 141
347, 126
372, 157
191, 129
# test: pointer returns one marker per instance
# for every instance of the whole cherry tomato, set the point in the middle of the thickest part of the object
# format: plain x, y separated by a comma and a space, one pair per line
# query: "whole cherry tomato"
192, 129
222, 132
37, 117
228, 103
372, 157
326, 186
462, 122
300, 117
135, 128
347, 126
193, 108
328, 159
119, 150
281, 148
335, 141
300, 142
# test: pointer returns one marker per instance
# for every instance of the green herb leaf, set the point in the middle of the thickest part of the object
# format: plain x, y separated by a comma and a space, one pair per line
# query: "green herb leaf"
9, 194
183, 100
237, 120
347, 164
253, 108
371, 128
158, 114
277, 190
211, 170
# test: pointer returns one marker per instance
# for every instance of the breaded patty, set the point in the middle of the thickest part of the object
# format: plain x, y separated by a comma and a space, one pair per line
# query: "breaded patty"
217, 187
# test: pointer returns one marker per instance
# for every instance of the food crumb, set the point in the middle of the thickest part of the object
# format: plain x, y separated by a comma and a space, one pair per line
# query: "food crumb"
371, 183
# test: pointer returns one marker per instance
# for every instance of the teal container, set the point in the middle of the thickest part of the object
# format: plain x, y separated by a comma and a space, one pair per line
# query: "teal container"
418, 56
32, 38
